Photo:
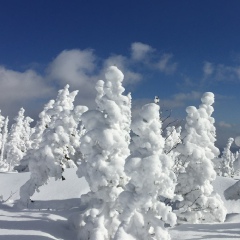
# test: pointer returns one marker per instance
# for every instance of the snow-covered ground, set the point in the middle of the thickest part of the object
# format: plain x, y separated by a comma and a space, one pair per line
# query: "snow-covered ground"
230, 229
47, 216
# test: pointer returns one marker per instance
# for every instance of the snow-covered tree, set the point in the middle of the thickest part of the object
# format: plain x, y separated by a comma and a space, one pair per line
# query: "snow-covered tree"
227, 160
2, 118
36, 137
18, 140
143, 211
105, 148
172, 140
3, 163
200, 203
236, 164
57, 143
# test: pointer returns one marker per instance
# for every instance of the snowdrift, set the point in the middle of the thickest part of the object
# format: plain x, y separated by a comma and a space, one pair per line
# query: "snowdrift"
56, 201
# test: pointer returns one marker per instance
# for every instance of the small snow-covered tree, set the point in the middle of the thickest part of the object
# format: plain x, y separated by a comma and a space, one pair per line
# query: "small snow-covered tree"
236, 164
227, 160
52, 154
18, 140
3, 163
105, 148
2, 118
200, 203
172, 140
143, 213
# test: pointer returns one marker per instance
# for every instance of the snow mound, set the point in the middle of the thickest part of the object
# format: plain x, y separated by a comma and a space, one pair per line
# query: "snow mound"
72, 187
233, 192
225, 188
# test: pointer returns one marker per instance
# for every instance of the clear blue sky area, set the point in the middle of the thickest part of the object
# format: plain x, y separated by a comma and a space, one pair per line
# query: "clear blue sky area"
195, 47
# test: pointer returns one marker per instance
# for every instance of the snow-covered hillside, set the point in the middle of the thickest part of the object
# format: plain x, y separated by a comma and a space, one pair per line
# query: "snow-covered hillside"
47, 217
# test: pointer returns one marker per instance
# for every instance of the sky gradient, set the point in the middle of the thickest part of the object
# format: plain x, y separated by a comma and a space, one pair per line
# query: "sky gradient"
174, 49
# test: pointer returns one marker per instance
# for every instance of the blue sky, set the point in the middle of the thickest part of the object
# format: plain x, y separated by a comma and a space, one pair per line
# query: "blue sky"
174, 49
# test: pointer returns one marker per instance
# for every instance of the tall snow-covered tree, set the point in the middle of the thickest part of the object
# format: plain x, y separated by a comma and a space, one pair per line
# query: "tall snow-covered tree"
18, 140
105, 148
200, 203
57, 143
236, 164
143, 211
172, 140
3, 163
2, 118
36, 137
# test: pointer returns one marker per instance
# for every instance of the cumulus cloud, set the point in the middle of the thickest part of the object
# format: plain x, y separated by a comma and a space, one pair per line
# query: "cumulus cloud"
19, 89
166, 65
78, 69
74, 67
81, 69
139, 51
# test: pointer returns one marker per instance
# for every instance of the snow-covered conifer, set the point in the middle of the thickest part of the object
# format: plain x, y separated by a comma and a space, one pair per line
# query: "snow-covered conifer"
227, 160
3, 164
105, 148
17, 142
36, 136
53, 152
172, 140
200, 203
143, 214
236, 164
2, 118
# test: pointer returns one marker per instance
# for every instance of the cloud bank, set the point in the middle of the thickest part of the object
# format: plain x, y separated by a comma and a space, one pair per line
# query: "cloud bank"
78, 68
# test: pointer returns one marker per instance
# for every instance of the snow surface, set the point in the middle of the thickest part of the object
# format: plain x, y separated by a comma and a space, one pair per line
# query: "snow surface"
47, 217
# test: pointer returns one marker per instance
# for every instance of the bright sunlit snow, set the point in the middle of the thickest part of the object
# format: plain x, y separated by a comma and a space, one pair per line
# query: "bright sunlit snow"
47, 218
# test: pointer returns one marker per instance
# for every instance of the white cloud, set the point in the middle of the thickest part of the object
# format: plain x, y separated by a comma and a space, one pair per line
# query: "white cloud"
208, 69
165, 64
224, 124
180, 99
139, 51
74, 67
19, 89
221, 72
78, 69
227, 73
